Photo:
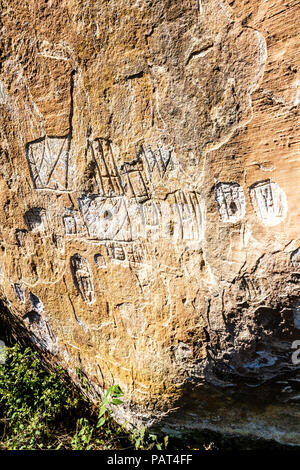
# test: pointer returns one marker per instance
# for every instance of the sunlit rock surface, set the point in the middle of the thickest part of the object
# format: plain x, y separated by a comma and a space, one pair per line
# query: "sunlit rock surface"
149, 203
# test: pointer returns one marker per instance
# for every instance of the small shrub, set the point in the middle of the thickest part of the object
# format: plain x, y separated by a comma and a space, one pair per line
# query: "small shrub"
40, 409
31, 398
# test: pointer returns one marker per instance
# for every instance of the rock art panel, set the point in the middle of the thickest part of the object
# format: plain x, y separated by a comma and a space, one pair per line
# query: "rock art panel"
138, 165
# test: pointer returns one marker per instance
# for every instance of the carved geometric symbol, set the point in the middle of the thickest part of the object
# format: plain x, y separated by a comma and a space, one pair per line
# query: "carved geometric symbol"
133, 181
82, 278
158, 160
135, 253
73, 223
105, 172
116, 251
105, 218
269, 202
48, 160
231, 202
151, 213
189, 220
70, 225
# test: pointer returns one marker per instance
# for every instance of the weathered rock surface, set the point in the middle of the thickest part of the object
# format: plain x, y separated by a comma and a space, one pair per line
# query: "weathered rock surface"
149, 205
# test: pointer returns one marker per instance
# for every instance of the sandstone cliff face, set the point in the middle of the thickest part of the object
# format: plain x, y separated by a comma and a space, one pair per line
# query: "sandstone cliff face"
150, 214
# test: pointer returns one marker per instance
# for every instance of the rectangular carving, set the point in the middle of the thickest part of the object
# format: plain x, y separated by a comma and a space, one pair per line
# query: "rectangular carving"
116, 251
48, 160
186, 220
269, 202
73, 223
231, 202
106, 218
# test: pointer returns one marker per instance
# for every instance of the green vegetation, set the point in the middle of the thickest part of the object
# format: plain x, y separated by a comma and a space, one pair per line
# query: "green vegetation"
42, 409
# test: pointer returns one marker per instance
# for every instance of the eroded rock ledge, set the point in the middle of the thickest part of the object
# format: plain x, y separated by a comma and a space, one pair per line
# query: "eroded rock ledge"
150, 215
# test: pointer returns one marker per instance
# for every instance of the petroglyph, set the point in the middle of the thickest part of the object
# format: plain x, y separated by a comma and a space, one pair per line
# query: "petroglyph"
135, 253
100, 260
83, 278
70, 225
106, 219
104, 171
133, 181
116, 251
151, 213
269, 202
231, 202
73, 224
49, 164
189, 220
42, 333
158, 161
36, 219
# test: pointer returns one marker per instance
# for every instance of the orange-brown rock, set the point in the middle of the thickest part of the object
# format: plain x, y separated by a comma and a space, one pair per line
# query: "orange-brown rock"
150, 215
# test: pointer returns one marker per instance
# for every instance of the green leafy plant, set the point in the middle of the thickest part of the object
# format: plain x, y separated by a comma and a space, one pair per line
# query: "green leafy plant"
112, 397
145, 440
83, 437
85, 430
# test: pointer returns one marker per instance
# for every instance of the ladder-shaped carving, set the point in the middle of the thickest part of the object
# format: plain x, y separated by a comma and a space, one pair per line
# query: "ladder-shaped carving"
100, 159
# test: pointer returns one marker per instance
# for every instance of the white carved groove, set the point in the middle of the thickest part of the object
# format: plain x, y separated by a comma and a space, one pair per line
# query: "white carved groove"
269, 202
231, 202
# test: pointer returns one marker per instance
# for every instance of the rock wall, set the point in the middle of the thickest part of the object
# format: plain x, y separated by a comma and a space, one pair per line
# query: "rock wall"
149, 209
